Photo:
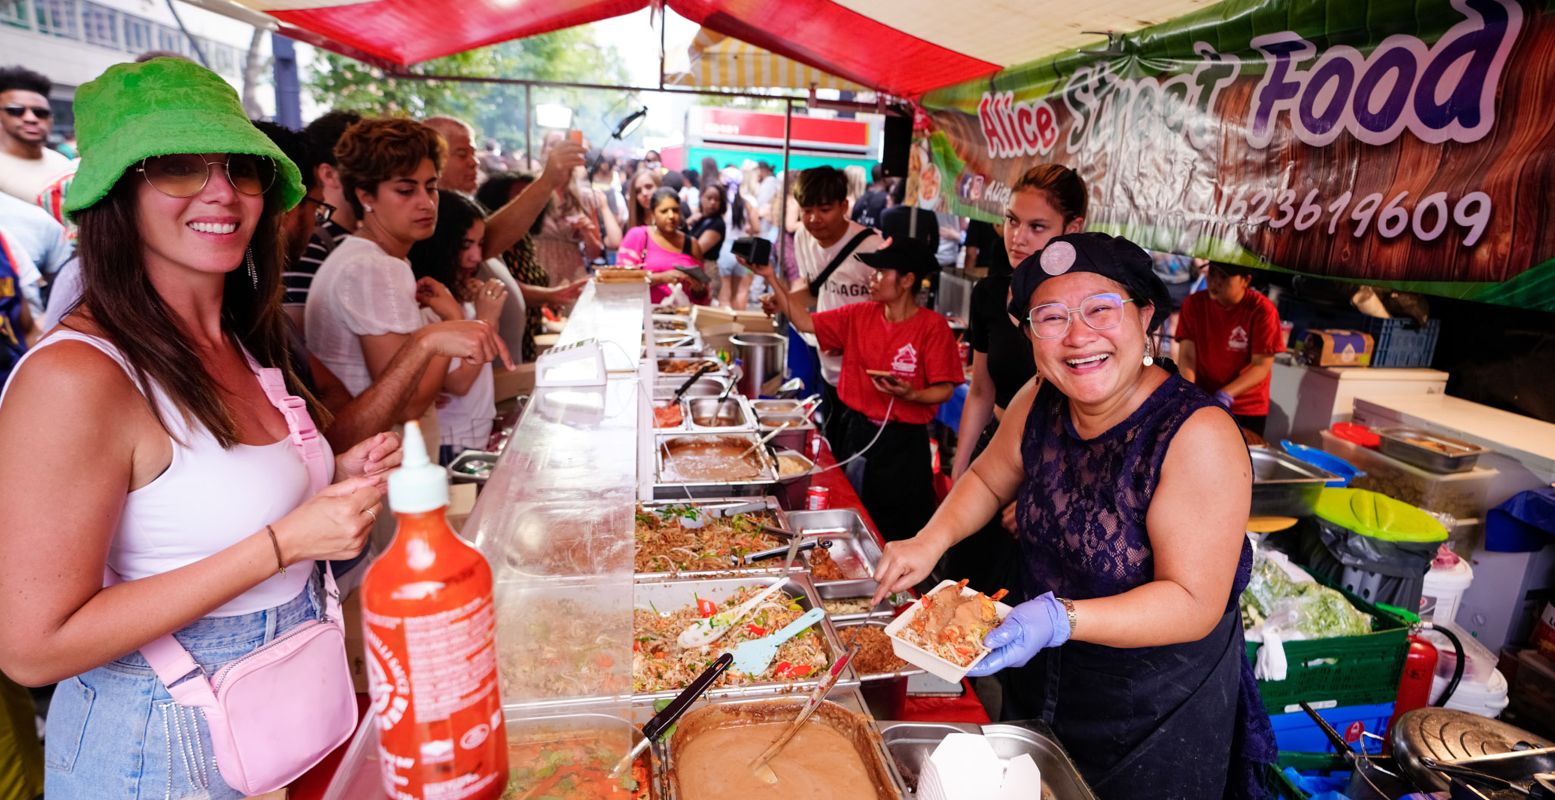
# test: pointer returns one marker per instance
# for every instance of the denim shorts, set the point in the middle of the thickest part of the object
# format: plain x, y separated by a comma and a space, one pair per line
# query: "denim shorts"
729, 268
115, 732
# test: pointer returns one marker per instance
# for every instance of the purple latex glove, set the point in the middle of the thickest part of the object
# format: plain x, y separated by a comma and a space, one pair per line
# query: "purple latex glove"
1031, 627
1224, 399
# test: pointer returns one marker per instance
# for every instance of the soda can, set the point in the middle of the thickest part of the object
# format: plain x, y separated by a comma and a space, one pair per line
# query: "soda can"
817, 498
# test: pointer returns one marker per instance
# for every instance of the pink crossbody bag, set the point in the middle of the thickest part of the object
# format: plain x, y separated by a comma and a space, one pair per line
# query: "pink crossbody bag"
275, 713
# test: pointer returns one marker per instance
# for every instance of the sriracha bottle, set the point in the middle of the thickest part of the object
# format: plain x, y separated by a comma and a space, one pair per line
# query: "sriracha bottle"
431, 649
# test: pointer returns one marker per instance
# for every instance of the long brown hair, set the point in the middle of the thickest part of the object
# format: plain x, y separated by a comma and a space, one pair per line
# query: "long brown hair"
636, 214
126, 306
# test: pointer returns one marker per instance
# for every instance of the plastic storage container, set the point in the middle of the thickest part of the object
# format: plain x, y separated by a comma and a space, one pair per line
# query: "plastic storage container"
1486, 699
1297, 732
1461, 494
1328, 462
1443, 591
1479, 662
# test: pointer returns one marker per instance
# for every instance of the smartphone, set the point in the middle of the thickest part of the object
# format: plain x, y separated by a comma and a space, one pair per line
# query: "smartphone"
879, 373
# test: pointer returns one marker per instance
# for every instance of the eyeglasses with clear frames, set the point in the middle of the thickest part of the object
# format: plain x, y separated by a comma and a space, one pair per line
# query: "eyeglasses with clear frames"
1100, 312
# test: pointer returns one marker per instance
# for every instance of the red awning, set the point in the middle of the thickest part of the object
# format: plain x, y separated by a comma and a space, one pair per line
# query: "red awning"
821, 33
405, 32
833, 38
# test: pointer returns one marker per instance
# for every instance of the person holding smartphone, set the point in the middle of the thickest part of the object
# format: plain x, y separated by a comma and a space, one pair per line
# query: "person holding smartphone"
665, 250
899, 362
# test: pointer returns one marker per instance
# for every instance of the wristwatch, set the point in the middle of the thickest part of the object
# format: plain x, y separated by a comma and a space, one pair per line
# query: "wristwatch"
1069, 610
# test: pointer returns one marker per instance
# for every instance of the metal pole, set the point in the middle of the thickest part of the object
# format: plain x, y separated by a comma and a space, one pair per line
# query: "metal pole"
419, 76
288, 90
782, 220
529, 128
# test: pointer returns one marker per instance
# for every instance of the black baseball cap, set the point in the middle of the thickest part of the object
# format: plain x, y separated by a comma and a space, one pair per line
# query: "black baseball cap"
903, 255
1108, 256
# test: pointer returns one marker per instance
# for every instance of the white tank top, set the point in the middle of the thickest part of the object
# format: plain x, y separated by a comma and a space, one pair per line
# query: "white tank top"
207, 500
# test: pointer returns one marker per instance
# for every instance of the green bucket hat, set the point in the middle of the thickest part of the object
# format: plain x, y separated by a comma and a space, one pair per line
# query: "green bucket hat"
157, 108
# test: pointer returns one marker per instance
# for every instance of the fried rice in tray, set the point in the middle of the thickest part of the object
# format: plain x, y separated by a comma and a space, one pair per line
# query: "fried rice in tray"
660, 664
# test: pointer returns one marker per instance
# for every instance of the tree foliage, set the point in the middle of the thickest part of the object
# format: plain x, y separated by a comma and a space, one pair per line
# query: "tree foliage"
496, 110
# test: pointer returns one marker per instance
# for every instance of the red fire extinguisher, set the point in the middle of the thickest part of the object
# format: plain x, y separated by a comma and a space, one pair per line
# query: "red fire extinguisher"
1414, 686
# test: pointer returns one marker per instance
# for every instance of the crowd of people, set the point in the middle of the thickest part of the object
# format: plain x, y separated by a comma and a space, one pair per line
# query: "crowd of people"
226, 318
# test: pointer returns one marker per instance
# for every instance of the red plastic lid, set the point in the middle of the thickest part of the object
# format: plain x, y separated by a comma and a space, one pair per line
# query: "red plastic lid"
1358, 434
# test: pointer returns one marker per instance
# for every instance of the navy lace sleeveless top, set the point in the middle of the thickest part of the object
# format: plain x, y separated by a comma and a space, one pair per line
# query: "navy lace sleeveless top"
1082, 506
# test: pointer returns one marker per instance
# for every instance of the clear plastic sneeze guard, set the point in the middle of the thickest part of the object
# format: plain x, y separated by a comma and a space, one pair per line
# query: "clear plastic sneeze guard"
556, 522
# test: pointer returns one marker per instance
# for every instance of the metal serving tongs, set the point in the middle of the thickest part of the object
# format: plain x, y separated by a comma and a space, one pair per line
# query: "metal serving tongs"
672, 712
794, 547
759, 766
700, 371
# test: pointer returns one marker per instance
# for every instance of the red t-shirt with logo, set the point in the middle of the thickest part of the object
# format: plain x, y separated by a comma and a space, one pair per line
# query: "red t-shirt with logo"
1225, 341
920, 350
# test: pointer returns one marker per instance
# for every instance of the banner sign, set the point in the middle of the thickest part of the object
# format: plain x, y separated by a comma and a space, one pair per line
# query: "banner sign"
1408, 144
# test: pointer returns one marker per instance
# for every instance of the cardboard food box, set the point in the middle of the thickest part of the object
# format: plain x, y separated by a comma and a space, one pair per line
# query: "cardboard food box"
1544, 631
1339, 348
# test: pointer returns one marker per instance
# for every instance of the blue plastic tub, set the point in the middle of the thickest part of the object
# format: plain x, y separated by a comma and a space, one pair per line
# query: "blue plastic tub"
1296, 732
1323, 460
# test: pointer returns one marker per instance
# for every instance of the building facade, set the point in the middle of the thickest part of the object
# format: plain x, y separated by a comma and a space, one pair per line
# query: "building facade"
74, 41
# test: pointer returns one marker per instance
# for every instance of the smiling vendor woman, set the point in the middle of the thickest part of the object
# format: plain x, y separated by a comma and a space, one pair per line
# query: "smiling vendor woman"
1132, 489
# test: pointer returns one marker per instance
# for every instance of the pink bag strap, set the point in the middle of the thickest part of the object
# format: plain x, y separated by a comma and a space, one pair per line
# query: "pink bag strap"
171, 662
305, 435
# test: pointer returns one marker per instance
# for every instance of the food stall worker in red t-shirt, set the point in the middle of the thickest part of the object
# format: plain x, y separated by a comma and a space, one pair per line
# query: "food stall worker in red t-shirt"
899, 362
1227, 336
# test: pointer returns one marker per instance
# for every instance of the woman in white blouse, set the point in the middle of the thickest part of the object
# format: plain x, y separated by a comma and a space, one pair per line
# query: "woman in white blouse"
365, 301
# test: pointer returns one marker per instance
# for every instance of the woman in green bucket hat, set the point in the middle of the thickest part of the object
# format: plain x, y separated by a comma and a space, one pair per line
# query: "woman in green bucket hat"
148, 442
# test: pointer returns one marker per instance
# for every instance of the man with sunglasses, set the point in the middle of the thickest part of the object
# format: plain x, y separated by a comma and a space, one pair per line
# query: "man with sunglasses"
26, 165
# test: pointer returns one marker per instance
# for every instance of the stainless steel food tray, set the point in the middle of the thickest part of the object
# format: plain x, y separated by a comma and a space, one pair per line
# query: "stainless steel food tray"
1462, 456
837, 591
665, 376
677, 344
854, 547
847, 697
760, 485
769, 505
793, 490
359, 775
911, 743
740, 421
1284, 486
709, 385
878, 622
673, 594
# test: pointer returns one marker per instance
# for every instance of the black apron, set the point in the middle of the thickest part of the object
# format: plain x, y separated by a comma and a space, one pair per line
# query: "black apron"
1147, 722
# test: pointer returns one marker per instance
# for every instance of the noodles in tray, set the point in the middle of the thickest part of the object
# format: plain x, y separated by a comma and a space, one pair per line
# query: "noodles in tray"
660, 664
665, 544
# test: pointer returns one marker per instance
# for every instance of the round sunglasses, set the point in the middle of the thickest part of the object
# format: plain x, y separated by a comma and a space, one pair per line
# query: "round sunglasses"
186, 174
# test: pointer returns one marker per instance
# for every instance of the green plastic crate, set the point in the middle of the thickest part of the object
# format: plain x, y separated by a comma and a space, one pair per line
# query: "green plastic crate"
1344, 670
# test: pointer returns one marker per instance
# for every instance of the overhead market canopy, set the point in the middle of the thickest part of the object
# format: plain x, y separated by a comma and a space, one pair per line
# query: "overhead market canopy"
724, 62
900, 47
